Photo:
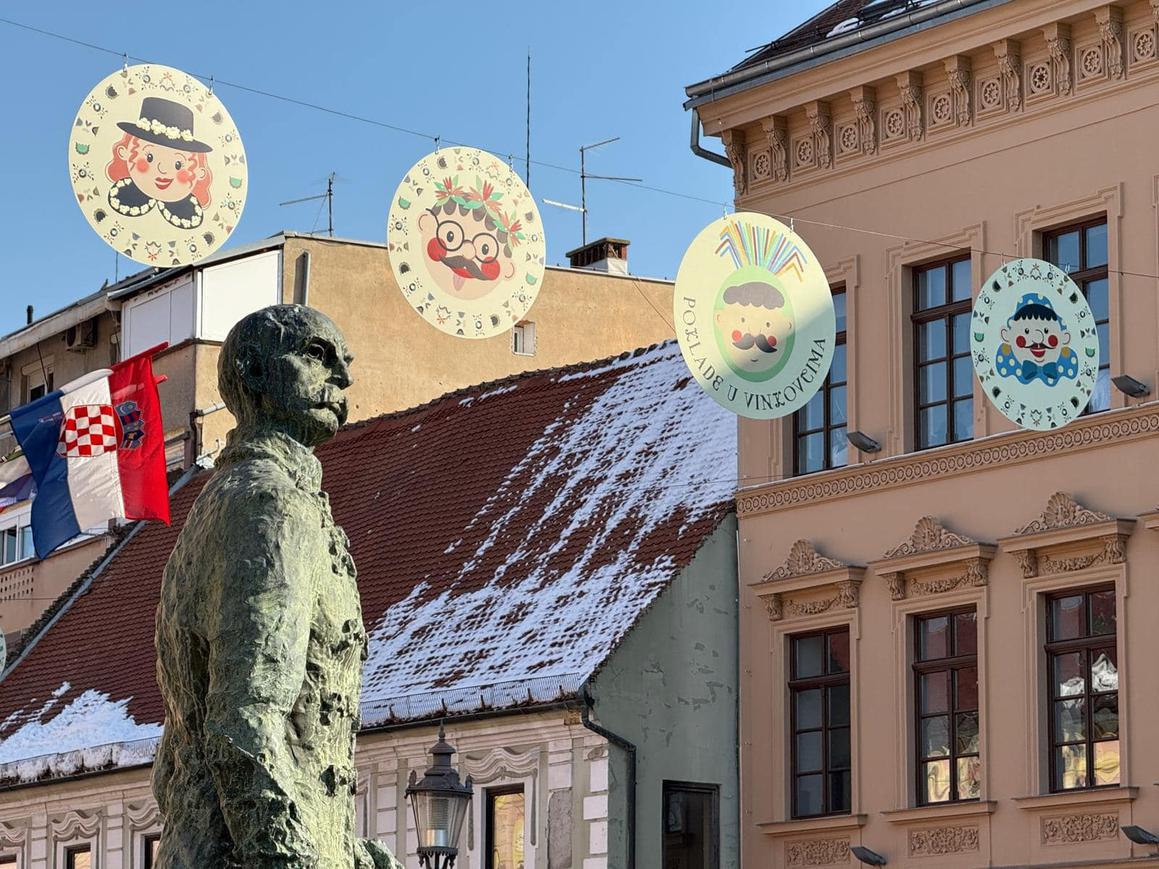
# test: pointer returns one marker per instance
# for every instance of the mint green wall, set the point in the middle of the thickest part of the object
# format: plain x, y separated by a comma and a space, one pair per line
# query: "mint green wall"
671, 688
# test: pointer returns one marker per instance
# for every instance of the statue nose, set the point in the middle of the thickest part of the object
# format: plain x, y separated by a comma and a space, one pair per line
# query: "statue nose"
341, 376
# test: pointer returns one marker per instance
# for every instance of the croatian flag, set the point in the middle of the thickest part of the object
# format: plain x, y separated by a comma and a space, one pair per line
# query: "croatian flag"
96, 448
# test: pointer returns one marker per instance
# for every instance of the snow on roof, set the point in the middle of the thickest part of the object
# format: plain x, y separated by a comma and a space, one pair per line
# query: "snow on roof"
507, 537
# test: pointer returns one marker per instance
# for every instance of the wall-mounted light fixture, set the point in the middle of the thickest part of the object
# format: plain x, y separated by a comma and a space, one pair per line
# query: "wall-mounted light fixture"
1140, 836
1131, 387
863, 442
868, 857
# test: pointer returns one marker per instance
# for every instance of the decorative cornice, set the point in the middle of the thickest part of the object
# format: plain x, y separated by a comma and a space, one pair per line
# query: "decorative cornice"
1057, 38
1009, 55
143, 816
1110, 21
734, 147
865, 107
909, 86
928, 535
501, 763
1112, 427
803, 560
11, 835
777, 131
1063, 511
959, 71
76, 824
821, 126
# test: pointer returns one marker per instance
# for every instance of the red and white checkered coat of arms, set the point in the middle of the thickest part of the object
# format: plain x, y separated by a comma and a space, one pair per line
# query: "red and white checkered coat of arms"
88, 430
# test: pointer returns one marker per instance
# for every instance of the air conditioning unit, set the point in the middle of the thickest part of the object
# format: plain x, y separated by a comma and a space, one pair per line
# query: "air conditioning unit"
81, 337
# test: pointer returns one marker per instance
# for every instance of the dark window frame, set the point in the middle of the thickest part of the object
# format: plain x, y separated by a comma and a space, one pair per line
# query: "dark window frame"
946, 312
822, 682
73, 851
147, 849
952, 663
712, 790
489, 818
1085, 644
827, 427
1084, 276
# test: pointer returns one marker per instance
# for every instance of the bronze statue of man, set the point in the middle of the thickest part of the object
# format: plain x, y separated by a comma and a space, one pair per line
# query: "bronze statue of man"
260, 640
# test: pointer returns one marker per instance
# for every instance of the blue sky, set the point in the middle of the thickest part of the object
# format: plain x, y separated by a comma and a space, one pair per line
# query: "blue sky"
453, 69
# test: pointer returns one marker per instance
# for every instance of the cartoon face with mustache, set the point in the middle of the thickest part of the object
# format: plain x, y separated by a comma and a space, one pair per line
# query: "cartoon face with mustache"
754, 324
1036, 344
468, 252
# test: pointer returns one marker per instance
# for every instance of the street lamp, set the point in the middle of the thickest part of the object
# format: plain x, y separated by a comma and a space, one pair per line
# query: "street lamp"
440, 803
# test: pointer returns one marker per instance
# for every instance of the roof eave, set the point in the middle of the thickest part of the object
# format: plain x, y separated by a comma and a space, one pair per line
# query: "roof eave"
882, 33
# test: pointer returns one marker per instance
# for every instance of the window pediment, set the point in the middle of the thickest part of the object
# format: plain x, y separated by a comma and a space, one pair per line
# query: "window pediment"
1066, 537
934, 560
809, 583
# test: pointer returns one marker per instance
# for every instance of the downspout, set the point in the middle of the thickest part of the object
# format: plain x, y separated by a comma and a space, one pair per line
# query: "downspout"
698, 149
630, 750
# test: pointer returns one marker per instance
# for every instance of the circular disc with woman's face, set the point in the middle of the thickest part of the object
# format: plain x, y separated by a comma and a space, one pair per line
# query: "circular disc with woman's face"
754, 316
1035, 344
157, 166
466, 242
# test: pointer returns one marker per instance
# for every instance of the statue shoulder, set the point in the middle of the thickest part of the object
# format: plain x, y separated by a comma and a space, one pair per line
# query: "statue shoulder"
256, 497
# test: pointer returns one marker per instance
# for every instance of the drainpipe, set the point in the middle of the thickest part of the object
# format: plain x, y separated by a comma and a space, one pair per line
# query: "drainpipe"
698, 149
630, 750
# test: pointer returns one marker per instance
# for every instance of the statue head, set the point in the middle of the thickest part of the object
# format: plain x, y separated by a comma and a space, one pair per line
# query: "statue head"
284, 368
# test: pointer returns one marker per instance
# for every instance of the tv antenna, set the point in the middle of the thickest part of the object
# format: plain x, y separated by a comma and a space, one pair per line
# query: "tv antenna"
328, 196
582, 208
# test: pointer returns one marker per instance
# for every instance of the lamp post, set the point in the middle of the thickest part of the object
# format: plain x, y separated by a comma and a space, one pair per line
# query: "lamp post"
440, 803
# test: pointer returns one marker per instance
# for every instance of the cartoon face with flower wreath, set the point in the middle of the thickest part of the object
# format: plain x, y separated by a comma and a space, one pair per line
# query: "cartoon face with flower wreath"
159, 164
468, 239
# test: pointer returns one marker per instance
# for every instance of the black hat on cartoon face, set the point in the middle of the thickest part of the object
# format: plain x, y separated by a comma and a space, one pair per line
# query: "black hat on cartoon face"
167, 123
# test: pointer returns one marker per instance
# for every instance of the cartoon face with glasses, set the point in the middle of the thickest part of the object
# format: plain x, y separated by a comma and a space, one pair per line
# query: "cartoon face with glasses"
468, 239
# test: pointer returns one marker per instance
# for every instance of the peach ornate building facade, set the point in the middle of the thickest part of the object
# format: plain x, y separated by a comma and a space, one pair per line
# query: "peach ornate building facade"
947, 644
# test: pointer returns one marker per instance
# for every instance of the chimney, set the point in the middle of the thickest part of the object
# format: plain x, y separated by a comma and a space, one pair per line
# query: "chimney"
602, 255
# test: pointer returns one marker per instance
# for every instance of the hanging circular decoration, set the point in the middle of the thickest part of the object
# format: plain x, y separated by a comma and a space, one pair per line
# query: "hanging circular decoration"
754, 316
157, 166
1035, 344
466, 242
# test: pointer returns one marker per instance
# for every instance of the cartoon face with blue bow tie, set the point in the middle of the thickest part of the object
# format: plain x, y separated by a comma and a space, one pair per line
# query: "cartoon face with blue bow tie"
1035, 344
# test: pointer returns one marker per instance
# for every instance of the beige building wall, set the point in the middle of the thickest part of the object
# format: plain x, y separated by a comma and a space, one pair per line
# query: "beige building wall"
987, 178
27, 588
561, 767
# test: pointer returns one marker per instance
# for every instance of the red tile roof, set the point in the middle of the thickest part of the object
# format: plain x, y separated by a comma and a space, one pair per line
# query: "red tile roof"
507, 537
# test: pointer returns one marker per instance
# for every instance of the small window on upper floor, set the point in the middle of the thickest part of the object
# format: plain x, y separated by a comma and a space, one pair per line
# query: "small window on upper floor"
523, 339
151, 845
943, 369
79, 858
38, 383
819, 427
1081, 251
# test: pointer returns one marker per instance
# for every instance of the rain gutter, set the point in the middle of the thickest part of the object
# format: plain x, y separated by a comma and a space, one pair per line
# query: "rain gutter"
630, 750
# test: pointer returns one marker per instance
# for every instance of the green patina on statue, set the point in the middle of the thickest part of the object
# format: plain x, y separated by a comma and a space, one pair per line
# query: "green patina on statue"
260, 639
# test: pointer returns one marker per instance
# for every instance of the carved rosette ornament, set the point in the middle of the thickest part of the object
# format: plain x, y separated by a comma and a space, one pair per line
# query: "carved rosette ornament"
1077, 829
817, 852
1058, 46
1009, 57
939, 841
1110, 23
734, 147
777, 131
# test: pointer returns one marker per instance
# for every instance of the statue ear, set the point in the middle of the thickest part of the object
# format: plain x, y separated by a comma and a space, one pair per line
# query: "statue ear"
252, 372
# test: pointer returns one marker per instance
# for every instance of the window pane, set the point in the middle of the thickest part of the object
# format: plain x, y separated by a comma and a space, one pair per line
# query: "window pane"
809, 795
840, 787
935, 692
963, 283
808, 708
837, 406
1096, 245
934, 638
935, 737
966, 734
963, 377
1104, 330
506, 830
809, 656
961, 337
1070, 766
1101, 394
966, 633
691, 829
1066, 618
936, 777
933, 426
1105, 716
966, 684
838, 652
932, 340
1099, 298
932, 383
1070, 720
9, 545
1104, 670
838, 705
838, 448
837, 373
839, 755
1107, 763
27, 546
79, 859
839, 310
1063, 251
812, 415
808, 756
931, 287
964, 419
1102, 605
1069, 674
811, 453
969, 778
